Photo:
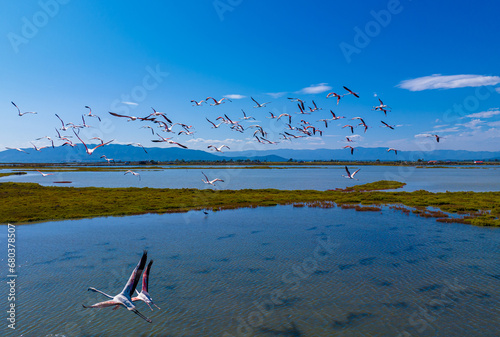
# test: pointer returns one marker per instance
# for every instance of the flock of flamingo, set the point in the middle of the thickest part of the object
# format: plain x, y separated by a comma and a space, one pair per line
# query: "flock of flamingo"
159, 120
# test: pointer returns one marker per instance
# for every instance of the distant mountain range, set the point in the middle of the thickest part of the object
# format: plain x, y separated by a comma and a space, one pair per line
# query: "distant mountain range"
126, 153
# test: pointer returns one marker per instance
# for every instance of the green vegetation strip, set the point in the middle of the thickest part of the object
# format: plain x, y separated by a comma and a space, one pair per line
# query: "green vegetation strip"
27, 202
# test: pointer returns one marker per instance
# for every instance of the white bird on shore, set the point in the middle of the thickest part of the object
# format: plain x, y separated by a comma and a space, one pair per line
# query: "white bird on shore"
349, 175
210, 182
124, 297
144, 294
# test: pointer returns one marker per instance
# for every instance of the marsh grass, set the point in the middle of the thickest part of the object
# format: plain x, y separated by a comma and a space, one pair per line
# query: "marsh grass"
27, 202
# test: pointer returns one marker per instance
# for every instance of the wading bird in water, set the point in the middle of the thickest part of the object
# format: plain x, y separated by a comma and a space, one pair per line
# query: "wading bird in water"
124, 298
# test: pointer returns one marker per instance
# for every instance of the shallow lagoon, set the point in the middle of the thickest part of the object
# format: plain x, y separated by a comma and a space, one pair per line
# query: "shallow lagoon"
455, 178
329, 272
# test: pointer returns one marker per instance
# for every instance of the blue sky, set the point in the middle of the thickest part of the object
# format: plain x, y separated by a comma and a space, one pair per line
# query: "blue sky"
434, 63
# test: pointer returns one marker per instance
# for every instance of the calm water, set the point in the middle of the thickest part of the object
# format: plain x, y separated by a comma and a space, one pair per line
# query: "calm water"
458, 178
275, 271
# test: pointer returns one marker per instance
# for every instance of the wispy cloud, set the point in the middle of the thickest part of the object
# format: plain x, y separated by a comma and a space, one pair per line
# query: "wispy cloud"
437, 81
234, 96
494, 124
276, 94
130, 103
440, 126
497, 89
450, 129
423, 135
473, 124
485, 114
315, 89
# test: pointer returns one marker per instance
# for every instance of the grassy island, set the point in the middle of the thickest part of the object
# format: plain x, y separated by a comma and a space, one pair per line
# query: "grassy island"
28, 202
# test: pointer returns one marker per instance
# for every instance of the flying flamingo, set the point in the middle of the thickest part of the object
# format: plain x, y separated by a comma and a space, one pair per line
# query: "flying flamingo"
90, 151
349, 126
38, 148
285, 115
381, 107
335, 95
130, 118
214, 125
144, 294
391, 149
437, 138
349, 140
197, 103
387, 125
45, 174
218, 102
138, 144
349, 175
334, 117
109, 160
17, 149
355, 94
245, 117
64, 128
259, 105
210, 182
133, 173
218, 149
124, 298
350, 147
90, 113
22, 113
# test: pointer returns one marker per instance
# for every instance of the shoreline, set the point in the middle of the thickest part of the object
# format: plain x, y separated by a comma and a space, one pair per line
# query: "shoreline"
31, 202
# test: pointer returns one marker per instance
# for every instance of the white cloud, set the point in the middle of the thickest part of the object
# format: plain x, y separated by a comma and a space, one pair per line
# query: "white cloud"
276, 94
234, 96
315, 89
450, 129
437, 81
494, 124
485, 114
130, 103
473, 124
440, 126
423, 135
